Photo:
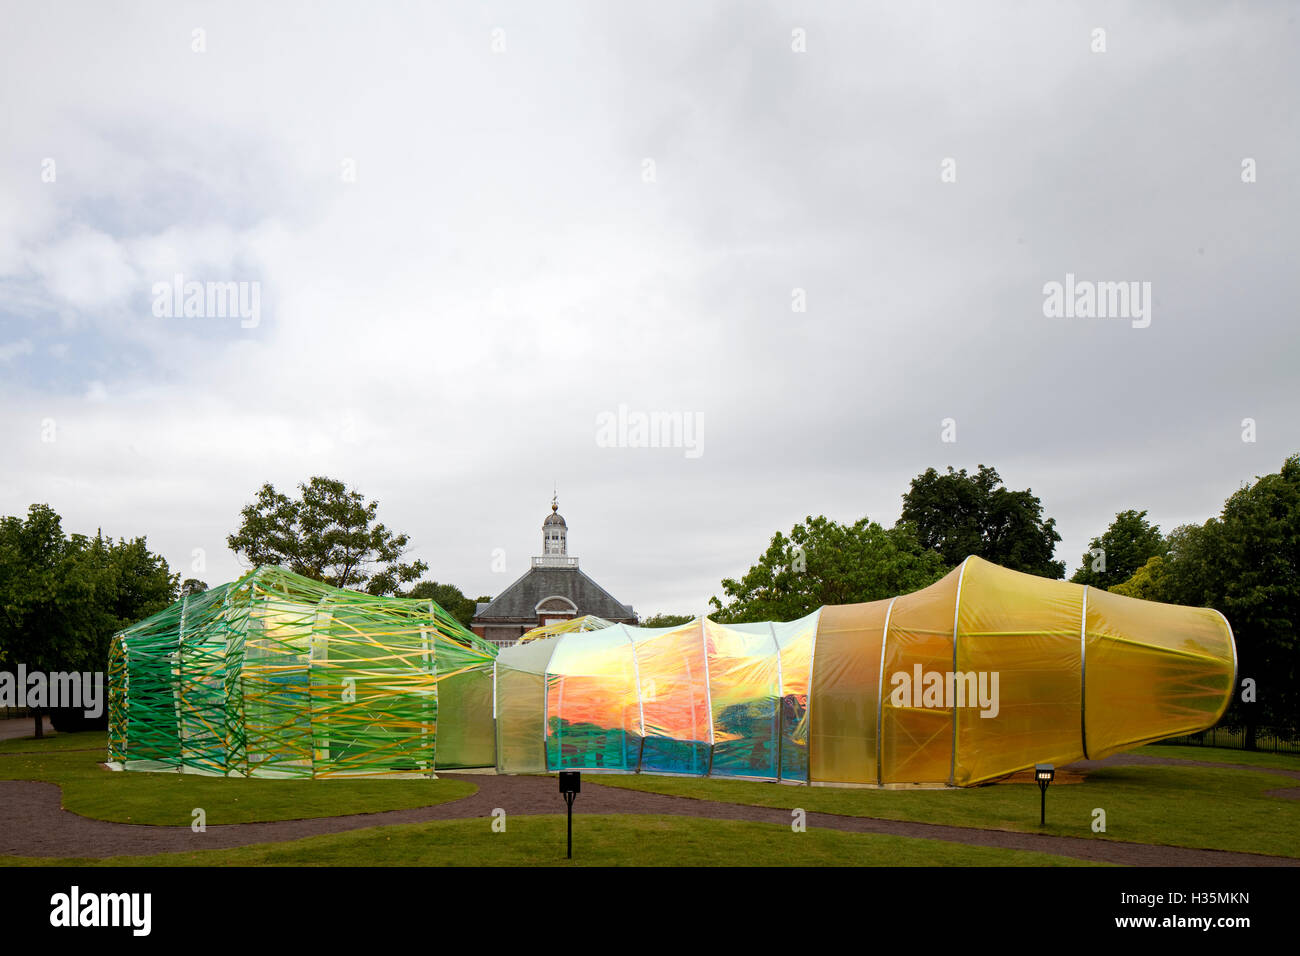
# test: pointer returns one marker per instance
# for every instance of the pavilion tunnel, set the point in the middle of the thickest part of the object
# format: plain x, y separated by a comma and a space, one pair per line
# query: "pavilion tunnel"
983, 673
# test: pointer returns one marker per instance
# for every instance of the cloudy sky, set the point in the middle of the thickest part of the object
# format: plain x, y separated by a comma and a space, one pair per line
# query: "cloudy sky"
475, 229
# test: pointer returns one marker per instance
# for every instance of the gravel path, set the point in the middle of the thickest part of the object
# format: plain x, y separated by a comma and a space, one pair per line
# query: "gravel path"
32, 823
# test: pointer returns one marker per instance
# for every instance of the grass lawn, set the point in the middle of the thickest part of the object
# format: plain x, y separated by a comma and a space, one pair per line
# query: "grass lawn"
1208, 808
1251, 758
1177, 806
597, 841
168, 798
94, 740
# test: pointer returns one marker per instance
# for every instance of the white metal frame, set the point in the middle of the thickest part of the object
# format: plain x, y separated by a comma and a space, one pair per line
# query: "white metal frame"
956, 618
880, 697
1083, 674
812, 669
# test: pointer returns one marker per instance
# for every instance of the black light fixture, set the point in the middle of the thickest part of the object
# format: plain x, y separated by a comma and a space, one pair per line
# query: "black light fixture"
570, 786
1044, 773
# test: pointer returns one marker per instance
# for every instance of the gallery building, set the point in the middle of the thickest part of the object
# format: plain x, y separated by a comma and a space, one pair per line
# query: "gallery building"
553, 590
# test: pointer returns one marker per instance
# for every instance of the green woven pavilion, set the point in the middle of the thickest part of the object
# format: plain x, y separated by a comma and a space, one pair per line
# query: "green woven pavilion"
277, 675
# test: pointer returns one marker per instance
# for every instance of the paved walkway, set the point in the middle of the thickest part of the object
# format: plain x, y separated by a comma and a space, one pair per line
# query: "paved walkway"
32, 823
11, 728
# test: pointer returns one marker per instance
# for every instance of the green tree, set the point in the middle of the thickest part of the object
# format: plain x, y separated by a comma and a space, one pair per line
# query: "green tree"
38, 604
1250, 561
958, 515
63, 597
328, 533
134, 583
824, 562
1192, 572
667, 620
1147, 582
193, 586
143, 584
448, 597
1117, 554
1246, 563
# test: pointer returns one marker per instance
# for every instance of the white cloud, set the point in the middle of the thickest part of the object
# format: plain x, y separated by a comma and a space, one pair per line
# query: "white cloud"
87, 270
443, 331
12, 350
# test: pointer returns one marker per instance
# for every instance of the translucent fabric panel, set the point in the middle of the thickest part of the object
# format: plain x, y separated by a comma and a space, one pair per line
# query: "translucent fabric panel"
521, 719
152, 716
845, 693
339, 707
118, 702
278, 674
277, 687
201, 681
744, 688
675, 701
1152, 670
1018, 677
916, 729
374, 689
593, 713
521, 706
466, 727
796, 641
238, 608
466, 730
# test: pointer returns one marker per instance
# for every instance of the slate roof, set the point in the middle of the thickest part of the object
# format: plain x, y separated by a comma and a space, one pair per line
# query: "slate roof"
520, 599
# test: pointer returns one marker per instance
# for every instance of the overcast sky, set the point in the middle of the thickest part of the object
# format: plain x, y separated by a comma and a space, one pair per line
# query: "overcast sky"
478, 228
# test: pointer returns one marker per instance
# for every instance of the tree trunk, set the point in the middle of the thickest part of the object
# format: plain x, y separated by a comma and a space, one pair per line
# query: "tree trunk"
40, 723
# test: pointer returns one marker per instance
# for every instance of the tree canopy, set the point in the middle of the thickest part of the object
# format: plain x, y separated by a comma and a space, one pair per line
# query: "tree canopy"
666, 620
328, 533
1147, 582
824, 562
1246, 563
959, 514
1116, 554
449, 598
62, 597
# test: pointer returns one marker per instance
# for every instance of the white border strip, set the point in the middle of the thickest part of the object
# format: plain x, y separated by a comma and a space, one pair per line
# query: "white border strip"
880, 696
956, 615
1083, 674
812, 670
1232, 642
780, 700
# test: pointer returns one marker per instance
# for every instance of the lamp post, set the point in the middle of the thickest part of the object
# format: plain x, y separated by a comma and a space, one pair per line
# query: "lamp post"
570, 786
1044, 773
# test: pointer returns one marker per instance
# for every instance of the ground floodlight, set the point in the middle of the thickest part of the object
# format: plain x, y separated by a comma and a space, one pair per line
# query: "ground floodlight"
1044, 773
570, 786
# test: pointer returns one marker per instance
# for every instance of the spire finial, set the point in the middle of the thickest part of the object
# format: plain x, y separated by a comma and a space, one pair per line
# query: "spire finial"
555, 499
